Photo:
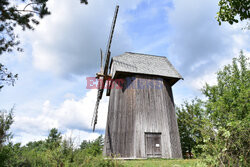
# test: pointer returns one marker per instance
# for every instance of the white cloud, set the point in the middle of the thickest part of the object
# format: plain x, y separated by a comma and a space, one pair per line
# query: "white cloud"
210, 77
199, 83
68, 41
24, 138
71, 116
197, 43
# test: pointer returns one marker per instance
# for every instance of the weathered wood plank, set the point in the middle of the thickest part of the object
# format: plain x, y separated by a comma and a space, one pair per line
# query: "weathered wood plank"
136, 111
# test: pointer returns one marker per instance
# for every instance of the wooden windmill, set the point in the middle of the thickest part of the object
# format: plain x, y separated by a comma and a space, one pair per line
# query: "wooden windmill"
141, 120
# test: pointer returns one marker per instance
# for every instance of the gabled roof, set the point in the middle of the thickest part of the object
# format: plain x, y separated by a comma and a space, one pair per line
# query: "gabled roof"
143, 64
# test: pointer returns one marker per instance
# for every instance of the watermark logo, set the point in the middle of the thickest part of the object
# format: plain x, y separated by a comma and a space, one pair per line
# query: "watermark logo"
127, 83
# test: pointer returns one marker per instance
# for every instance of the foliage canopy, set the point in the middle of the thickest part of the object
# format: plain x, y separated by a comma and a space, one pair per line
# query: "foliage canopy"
222, 120
189, 117
6, 119
230, 10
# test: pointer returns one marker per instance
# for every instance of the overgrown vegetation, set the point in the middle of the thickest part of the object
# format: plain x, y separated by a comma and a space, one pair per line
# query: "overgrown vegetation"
189, 119
54, 151
218, 128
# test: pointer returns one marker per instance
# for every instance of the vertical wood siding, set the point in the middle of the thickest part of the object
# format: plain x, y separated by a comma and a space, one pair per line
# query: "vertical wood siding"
139, 110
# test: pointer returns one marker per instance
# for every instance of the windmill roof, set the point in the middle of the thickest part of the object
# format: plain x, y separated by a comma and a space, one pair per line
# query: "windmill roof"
143, 64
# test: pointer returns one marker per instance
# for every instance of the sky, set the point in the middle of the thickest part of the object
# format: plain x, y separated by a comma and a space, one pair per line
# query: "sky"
64, 49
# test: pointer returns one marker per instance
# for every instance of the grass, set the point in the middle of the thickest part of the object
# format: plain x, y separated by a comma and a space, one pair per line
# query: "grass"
160, 163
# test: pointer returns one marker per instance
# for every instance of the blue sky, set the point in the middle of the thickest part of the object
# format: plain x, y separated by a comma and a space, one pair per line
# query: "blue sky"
64, 50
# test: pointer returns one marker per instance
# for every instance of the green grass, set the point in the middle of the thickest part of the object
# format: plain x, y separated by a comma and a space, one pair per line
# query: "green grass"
160, 163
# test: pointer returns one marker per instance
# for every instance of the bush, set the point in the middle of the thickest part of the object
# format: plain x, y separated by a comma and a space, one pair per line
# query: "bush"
219, 126
55, 152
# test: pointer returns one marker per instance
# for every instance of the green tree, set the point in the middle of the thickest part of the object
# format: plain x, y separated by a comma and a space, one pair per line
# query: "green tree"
85, 144
229, 99
6, 147
6, 120
189, 118
93, 148
226, 128
54, 139
230, 10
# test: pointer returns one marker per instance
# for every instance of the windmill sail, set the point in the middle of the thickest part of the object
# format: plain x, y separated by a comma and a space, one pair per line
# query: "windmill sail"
104, 74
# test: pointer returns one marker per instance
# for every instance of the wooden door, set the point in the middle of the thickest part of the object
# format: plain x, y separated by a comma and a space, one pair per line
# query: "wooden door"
153, 144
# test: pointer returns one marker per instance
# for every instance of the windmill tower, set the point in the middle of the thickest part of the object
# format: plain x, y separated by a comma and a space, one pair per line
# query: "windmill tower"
141, 120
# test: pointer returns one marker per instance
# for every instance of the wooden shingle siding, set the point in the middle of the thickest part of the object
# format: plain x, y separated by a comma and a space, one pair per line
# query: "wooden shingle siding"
139, 110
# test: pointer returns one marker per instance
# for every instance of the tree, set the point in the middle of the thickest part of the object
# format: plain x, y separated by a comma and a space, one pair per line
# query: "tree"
189, 118
93, 148
6, 77
218, 127
229, 99
85, 144
6, 120
54, 139
226, 127
230, 10
13, 16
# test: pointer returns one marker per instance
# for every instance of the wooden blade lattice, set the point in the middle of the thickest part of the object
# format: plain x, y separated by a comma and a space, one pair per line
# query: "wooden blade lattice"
105, 71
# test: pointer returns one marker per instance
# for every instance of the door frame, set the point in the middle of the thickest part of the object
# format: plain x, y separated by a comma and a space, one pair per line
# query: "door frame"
145, 138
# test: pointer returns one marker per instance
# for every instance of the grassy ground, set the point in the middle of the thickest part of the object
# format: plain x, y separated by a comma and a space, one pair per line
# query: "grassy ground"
160, 163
